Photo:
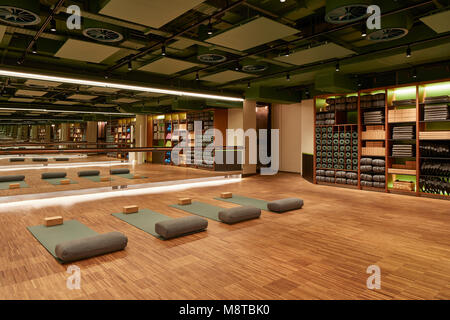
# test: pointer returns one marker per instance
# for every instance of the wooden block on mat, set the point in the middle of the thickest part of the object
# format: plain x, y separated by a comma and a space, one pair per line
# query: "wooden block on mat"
130, 209
137, 176
226, 195
105, 179
184, 201
14, 185
53, 221
65, 181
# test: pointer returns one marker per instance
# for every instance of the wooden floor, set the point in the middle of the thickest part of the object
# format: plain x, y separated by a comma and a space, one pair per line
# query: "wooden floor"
319, 252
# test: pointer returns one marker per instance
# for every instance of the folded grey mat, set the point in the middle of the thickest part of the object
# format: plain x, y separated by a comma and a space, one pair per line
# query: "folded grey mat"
92, 246
53, 175
88, 173
238, 214
15, 178
16, 159
119, 171
284, 205
173, 228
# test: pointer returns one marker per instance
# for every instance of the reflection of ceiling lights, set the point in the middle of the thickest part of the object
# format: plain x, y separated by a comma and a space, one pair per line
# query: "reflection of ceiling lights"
34, 76
67, 111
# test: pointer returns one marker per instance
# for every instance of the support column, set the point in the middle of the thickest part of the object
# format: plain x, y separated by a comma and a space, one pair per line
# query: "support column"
249, 122
91, 132
141, 137
64, 132
34, 132
48, 131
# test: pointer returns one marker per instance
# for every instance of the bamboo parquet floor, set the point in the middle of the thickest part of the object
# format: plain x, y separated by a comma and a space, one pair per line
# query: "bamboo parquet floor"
319, 252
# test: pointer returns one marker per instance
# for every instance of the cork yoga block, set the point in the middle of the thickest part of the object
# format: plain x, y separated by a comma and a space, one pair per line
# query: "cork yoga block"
105, 179
65, 181
226, 195
53, 221
184, 201
14, 185
130, 209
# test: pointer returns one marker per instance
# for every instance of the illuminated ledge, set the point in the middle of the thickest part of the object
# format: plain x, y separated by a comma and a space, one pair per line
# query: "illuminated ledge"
64, 165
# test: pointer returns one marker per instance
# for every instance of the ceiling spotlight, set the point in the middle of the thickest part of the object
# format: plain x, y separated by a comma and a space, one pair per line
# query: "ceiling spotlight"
338, 68
408, 52
106, 76
414, 75
249, 85
34, 48
163, 50
308, 95
210, 28
288, 77
287, 52
237, 67
197, 77
363, 30
130, 66
53, 25
282, 1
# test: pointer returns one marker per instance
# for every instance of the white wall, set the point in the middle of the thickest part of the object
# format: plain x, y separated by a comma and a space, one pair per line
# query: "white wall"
296, 125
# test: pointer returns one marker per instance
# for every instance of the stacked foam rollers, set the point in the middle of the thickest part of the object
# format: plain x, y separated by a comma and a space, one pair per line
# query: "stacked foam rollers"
338, 151
373, 172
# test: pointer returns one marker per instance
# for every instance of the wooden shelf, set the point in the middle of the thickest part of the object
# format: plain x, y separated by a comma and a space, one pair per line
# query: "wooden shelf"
402, 171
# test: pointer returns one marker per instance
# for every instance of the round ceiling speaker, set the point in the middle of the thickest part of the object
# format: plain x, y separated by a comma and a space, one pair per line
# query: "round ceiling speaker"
211, 58
254, 68
393, 27
103, 35
20, 12
339, 11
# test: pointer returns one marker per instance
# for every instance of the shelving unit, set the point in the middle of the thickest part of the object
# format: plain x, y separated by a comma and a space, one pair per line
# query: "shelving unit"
77, 132
123, 132
163, 129
398, 128
336, 140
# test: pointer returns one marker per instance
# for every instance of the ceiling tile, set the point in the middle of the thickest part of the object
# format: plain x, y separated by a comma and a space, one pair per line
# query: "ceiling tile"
439, 22
40, 83
226, 76
167, 66
252, 34
319, 53
125, 100
20, 100
103, 90
63, 102
30, 93
155, 13
83, 97
85, 51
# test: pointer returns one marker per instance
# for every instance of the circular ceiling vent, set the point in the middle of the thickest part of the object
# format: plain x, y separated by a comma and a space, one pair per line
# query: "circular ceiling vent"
345, 11
254, 68
388, 34
211, 58
103, 35
18, 16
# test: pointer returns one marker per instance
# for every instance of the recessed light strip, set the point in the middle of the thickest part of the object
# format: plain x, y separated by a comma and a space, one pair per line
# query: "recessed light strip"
114, 85
68, 111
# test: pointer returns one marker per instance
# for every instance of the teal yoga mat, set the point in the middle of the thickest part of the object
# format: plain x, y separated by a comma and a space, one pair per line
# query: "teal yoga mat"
70, 230
96, 178
128, 176
201, 209
244, 201
57, 181
5, 185
144, 219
